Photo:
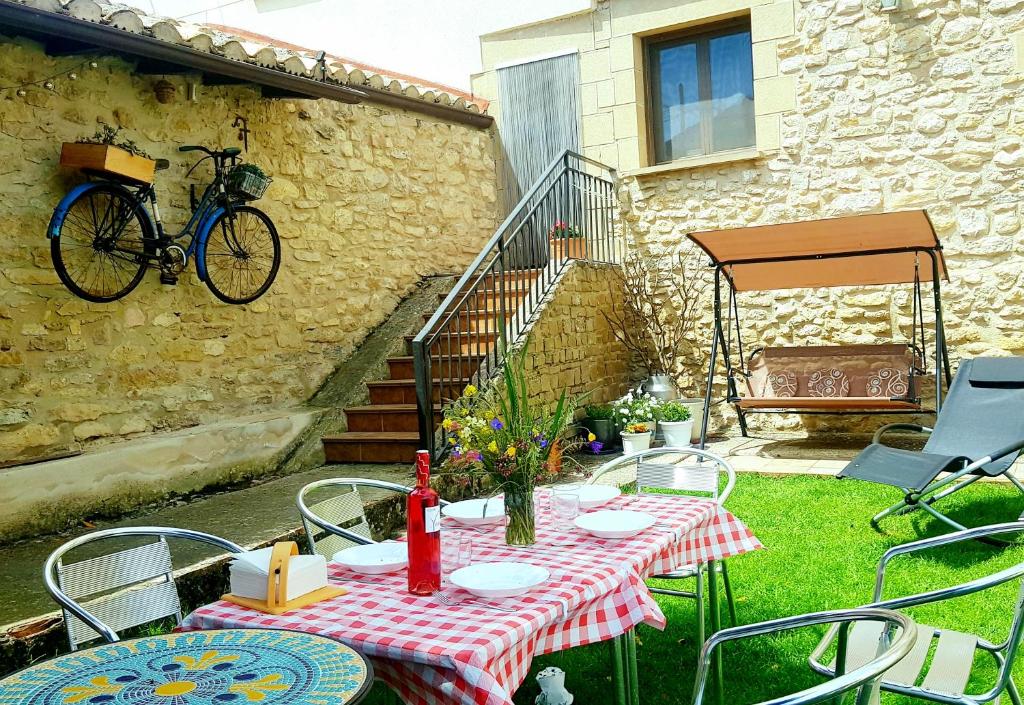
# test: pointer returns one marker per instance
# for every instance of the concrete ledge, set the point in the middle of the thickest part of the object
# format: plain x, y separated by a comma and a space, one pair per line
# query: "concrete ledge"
50, 496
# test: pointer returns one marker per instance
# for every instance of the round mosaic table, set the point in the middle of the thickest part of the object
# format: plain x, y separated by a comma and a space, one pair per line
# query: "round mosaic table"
216, 667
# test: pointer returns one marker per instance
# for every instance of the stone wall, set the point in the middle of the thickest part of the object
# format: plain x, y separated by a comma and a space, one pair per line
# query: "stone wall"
368, 201
859, 112
571, 344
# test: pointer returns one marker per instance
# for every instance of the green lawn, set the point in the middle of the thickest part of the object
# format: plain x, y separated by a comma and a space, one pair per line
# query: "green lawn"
820, 554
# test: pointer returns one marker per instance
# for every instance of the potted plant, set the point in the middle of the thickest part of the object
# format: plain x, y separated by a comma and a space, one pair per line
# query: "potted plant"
497, 435
106, 154
636, 406
636, 436
676, 423
566, 242
600, 422
655, 313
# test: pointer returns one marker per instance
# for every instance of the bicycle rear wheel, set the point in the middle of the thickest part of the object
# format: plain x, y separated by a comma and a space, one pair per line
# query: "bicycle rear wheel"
99, 249
241, 255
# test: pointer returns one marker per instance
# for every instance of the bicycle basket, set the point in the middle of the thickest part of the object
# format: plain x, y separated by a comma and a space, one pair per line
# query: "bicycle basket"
247, 182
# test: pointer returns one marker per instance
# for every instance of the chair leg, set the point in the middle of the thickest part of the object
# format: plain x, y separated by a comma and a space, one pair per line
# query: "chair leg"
728, 594
1015, 481
619, 670
897, 508
701, 635
1011, 690
955, 487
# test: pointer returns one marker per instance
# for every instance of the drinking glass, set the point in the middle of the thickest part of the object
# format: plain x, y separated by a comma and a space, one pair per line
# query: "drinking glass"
456, 552
565, 507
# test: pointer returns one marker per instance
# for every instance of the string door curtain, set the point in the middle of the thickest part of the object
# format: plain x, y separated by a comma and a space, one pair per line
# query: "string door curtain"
539, 119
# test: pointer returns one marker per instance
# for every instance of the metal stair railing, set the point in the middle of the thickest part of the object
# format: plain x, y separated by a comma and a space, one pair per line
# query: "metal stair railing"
490, 306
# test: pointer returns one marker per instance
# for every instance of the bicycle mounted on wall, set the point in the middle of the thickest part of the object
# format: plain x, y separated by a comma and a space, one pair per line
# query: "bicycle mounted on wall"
864, 250
103, 238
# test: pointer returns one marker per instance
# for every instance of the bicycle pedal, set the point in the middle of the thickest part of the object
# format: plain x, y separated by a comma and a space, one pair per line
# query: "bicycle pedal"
168, 279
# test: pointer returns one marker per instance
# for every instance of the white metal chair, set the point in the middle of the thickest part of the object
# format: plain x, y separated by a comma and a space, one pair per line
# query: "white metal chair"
339, 521
693, 471
130, 587
895, 636
945, 677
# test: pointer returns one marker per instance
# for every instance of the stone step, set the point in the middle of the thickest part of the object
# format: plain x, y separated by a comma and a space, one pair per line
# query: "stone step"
371, 447
398, 418
403, 367
464, 342
403, 391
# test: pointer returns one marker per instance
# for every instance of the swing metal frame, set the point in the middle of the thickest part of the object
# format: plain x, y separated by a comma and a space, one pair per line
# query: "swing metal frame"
780, 268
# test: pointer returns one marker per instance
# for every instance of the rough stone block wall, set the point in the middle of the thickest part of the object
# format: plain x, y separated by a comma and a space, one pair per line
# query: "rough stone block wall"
922, 108
367, 200
571, 344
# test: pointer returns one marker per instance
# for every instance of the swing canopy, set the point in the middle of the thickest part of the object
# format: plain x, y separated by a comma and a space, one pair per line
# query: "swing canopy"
856, 250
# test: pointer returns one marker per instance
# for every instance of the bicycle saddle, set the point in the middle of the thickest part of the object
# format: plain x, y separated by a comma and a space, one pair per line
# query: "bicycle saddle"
162, 164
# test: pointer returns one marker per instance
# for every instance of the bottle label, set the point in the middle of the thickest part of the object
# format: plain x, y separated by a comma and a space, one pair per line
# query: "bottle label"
432, 519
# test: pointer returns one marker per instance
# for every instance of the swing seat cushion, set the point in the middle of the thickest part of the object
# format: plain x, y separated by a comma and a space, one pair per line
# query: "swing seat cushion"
832, 378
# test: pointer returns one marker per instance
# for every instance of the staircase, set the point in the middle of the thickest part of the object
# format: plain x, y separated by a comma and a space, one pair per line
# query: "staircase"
493, 300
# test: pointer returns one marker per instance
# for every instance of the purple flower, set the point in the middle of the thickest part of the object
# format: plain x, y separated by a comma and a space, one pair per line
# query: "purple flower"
595, 447
496, 424
475, 456
543, 442
457, 452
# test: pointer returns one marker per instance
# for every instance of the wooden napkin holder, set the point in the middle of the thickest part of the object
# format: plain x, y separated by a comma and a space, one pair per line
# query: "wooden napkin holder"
277, 586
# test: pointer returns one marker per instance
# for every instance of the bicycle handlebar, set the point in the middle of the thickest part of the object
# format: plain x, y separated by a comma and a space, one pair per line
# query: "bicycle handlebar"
228, 152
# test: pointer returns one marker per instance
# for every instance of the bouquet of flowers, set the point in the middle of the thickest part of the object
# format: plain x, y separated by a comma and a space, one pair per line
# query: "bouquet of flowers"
497, 434
637, 406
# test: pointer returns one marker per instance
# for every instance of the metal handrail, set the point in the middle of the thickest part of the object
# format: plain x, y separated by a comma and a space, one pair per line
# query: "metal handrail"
468, 334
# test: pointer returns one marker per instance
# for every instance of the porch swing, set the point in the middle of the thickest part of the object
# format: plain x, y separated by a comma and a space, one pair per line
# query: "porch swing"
866, 250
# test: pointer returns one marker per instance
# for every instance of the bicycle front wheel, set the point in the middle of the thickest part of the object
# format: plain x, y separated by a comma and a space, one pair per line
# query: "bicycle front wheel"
241, 255
100, 248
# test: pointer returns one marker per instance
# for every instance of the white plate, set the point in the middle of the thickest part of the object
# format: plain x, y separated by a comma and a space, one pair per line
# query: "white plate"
506, 579
592, 496
615, 523
374, 558
477, 512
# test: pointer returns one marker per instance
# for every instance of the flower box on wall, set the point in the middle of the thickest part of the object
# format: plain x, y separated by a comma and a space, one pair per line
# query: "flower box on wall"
568, 248
108, 160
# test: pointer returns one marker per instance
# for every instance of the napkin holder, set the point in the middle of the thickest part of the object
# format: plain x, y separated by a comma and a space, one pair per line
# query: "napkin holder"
277, 586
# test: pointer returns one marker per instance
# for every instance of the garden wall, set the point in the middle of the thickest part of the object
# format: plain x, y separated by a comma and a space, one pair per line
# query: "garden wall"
572, 346
368, 201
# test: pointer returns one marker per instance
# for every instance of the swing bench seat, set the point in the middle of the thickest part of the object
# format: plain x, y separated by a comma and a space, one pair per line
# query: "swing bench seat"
831, 379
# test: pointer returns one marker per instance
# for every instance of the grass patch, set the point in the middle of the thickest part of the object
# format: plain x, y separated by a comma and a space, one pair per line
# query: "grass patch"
820, 554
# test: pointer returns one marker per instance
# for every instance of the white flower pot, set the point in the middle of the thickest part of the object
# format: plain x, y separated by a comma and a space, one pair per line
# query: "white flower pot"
677, 433
632, 442
696, 407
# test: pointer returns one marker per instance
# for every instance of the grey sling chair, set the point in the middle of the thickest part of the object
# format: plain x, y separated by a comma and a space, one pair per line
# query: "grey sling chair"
131, 587
338, 521
692, 471
948, 673
895, 636
979, 433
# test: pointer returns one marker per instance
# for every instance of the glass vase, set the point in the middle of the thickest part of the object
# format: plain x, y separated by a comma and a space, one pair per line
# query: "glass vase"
520, 528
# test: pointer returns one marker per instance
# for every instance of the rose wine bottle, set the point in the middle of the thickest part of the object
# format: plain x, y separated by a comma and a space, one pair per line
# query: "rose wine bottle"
423, 519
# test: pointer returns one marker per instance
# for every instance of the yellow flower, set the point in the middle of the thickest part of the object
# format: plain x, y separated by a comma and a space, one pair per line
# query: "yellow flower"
591, 438
470, 390
465, 412
493, 446
511, 452
446, 424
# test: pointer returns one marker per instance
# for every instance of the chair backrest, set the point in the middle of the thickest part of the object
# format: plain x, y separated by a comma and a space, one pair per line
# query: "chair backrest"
689, 470
338, 521
129, 587
981, 413
899, 635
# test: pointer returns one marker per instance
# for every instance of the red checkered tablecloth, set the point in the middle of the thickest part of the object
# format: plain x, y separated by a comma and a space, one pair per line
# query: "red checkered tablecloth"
432, 653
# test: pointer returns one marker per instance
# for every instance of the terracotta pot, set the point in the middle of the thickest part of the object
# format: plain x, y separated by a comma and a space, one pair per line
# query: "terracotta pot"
563, 248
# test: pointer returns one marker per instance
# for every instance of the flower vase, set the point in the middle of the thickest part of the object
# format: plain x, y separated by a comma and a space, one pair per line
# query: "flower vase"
520, 529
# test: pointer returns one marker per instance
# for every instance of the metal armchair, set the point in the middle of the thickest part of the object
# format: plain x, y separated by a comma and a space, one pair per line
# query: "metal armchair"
143, 578
946, 676
678, 471
889, 649
339, 521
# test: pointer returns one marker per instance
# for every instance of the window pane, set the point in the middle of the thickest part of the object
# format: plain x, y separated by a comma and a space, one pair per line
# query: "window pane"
678, 132
732, 92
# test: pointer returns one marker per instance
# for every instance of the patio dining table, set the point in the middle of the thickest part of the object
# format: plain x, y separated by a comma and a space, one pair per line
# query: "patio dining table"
472, 653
